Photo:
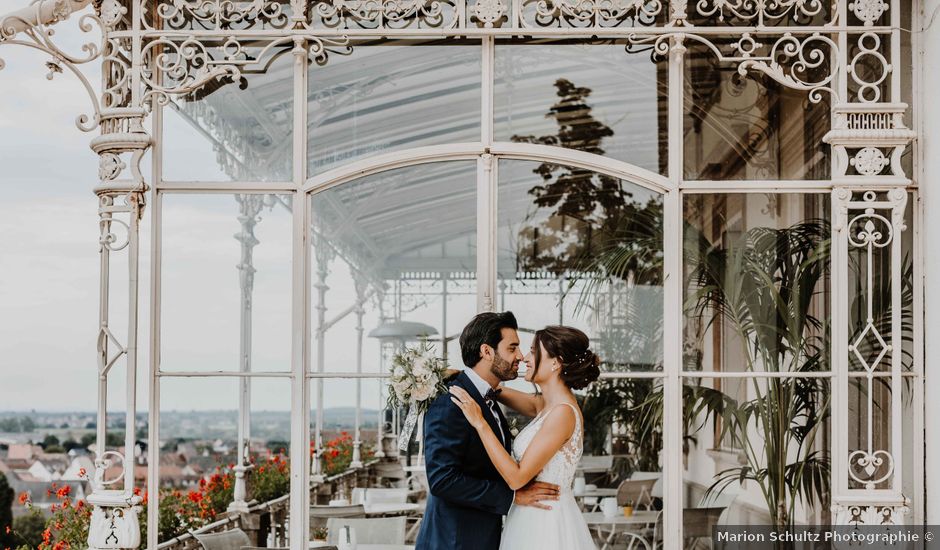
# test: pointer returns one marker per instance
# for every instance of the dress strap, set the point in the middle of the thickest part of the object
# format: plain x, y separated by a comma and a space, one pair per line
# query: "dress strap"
577, 416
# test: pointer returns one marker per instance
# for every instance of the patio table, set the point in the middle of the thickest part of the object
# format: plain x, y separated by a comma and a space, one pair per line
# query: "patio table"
390, 508
639, 518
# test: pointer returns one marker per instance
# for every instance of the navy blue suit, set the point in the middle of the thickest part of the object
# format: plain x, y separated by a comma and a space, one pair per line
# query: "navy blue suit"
468, 496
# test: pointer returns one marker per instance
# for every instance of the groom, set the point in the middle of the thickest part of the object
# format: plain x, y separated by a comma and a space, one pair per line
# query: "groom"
468, 497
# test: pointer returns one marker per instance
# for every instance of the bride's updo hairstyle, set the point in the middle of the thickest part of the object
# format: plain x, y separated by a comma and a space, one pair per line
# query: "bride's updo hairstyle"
579, 365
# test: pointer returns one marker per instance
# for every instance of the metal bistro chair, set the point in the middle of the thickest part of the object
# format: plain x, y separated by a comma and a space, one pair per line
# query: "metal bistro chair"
696, 523
390, 474
368, 531
636, 492
226, 540
319, 515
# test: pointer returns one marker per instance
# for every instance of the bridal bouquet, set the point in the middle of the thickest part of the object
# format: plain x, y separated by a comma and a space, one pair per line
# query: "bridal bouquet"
417, 378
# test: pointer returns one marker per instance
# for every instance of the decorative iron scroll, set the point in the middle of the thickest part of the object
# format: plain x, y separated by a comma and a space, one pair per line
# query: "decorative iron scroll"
869, 224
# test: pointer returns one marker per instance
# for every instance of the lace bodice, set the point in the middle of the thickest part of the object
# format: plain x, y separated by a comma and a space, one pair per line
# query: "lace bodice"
561, 468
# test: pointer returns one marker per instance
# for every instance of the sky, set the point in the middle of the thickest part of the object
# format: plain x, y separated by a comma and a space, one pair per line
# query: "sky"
48, 236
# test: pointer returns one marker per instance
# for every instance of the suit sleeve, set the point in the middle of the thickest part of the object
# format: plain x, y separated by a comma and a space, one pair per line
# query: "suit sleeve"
447, 434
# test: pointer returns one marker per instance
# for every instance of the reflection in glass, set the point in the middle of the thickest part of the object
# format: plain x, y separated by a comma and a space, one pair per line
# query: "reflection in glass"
225, 282
208, 434
584, 249
757, 288
393, 261
614, 106
758, 457
749, 127
239, 131
389, 97
350, 436
619, 421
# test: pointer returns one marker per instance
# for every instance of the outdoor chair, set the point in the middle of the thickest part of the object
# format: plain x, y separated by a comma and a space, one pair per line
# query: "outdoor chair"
319, 515
368, 531
636, 492
226, 540
696, 523
389, 474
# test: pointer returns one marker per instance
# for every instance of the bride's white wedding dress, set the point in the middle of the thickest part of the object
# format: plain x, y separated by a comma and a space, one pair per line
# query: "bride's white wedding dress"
562, 527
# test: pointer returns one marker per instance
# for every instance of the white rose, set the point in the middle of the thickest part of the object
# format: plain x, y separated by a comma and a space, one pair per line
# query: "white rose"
422, 392
401, 388
420, 368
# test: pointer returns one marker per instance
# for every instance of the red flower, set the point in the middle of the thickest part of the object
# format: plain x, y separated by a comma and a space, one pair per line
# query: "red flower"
46, 535
24, 498
81, 472
8, 529
63, 491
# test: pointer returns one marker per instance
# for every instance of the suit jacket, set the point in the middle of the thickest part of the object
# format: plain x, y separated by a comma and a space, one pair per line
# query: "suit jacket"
468, 498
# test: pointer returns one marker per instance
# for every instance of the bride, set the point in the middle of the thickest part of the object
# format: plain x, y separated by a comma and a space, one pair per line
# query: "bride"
549, 447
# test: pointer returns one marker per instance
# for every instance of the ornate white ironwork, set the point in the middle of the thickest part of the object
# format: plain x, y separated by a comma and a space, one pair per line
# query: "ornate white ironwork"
114, 520
869, 11
489, 11
870, 514
790, 60
761, 12
875, 65
588, 13
32, 29
869, 161
870, 223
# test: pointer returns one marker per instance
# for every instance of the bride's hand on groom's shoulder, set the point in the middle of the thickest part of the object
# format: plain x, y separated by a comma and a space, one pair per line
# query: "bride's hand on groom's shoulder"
535, 492
468, 406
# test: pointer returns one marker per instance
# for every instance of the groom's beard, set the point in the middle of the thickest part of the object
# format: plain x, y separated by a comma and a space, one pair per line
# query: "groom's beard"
504, 370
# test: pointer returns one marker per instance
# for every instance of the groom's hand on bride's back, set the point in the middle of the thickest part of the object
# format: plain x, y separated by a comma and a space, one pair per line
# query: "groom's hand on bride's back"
535, 492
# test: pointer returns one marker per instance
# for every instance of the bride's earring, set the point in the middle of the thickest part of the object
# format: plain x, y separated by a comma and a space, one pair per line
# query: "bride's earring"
556, 367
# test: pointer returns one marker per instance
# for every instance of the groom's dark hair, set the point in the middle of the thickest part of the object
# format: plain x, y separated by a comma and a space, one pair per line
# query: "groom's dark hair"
485, 328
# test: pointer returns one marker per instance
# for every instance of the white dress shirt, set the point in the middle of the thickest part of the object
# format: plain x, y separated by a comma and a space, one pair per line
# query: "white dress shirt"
483, 387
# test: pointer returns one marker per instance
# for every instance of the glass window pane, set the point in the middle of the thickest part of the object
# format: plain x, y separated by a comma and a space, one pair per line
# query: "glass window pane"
614, 106
226, 282
757, 285
233, 131
399, 247
203, 424
389, 97
749, 127
736, 473
333, 406
580, 248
